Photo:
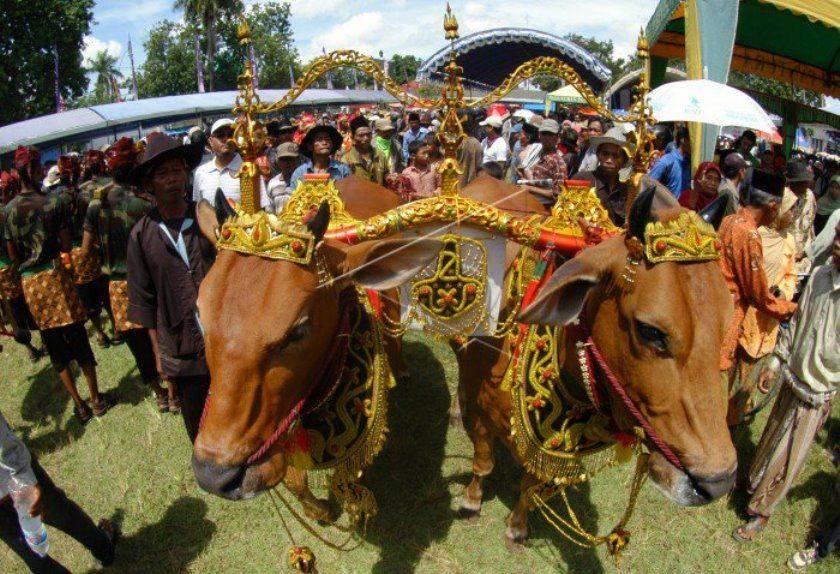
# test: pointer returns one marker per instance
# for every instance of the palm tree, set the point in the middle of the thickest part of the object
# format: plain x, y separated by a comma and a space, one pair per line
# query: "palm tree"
104, 65
207, 13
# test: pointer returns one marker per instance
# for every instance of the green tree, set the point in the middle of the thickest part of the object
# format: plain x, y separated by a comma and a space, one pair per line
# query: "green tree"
776, 88
604, 50
104, 65
274, 50
169, 68
403, 68
207, 14
29, 32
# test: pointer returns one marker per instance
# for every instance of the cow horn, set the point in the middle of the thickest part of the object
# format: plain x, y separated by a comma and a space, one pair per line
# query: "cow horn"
714, 212
640, 213
319, 222
223, 209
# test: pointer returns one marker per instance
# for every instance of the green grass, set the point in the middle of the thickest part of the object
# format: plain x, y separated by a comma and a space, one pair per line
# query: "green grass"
134, 463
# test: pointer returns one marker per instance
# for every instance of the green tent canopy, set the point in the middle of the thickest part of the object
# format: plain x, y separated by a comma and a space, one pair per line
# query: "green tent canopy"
566, 95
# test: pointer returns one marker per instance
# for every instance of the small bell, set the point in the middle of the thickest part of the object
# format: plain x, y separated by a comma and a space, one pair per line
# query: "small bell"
302, 559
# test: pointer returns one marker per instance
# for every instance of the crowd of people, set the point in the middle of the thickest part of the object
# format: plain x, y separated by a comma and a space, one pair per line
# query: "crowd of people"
110, 238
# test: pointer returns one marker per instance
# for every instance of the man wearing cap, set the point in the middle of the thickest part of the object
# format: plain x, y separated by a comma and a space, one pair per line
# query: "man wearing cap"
734, 175
550, 165
222, 172
167, 259
37, 240
107, 225
318, 147
387, 147
807, 355
362, 158
673, 170
279, 192
495, 147
414, 132
799, 180
742, 261
613, 153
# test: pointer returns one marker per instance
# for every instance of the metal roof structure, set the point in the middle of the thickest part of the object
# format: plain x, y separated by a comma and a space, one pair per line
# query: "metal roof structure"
488, 57
86, 123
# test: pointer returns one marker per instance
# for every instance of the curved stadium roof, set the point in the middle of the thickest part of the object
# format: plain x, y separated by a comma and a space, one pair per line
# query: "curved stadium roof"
108, 119
488, 57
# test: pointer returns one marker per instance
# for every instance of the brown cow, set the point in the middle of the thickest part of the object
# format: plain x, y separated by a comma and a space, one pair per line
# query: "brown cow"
662, 341
267, 328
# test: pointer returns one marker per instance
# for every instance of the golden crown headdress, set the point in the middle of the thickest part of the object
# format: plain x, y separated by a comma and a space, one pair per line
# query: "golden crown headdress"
266, 235
685, 239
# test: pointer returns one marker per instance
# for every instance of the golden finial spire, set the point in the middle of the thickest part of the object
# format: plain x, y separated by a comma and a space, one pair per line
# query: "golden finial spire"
642, 45
243, 31
450, 24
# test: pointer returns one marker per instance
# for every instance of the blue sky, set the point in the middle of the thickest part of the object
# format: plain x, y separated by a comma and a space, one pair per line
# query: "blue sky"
395, 26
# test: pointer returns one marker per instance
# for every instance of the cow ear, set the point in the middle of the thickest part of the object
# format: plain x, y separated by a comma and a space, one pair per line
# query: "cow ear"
564, 295
563, 298
380, 265
208, 221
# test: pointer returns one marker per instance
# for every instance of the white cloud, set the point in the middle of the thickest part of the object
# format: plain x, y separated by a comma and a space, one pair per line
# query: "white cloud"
308, 9
362, 32
94, 45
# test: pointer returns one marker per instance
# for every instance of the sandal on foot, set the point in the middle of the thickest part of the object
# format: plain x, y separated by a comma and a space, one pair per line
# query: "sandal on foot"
82, 413
175, 406
162, 403
101, 406
103, 341
748, 530
117, 340
800, 560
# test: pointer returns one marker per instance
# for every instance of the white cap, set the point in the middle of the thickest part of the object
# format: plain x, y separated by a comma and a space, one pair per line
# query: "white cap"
492, 121
524, 114
195, 129
53, 177
221, 123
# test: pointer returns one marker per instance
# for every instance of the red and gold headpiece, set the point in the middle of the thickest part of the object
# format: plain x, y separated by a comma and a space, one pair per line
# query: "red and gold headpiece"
122, 154
26, 156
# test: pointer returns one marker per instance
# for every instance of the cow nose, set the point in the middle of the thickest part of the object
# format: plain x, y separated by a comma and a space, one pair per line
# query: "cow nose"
713, 487
224, 481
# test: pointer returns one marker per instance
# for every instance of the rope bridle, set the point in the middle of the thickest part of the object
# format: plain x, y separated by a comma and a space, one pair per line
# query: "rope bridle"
590, 355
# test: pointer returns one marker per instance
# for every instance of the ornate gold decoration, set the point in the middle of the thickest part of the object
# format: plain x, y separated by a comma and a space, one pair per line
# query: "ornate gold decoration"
578, 200
449, 296
309, 195
560, 436
685, 239
546, 66
265, 235
450, 24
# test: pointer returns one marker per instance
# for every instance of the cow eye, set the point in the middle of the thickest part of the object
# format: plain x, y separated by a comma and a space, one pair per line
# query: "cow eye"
298, 332
652, 336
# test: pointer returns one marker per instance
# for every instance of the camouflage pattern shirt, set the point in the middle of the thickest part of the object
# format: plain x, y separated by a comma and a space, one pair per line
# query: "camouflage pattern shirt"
32, 222
87, 191
110, 220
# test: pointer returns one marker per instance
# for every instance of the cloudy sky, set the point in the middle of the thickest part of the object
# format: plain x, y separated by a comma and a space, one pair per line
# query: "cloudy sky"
393, 26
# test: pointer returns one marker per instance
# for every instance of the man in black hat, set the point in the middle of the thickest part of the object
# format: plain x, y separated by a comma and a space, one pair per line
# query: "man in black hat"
363, 159
318, 146
168, 258
799, 180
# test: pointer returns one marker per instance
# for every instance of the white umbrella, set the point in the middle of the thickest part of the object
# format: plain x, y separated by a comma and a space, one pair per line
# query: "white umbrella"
708, 102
